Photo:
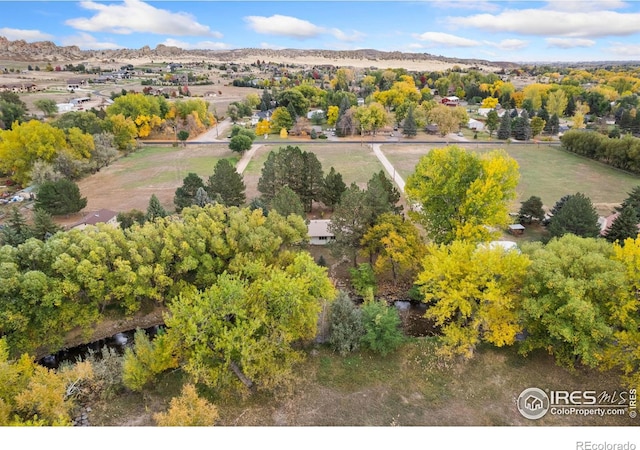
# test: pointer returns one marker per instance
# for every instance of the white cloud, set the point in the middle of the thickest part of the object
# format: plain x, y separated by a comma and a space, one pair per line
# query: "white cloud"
87, 42
543, 22
630, 51
508, 44
355, 36
201, 45
475, 5
136, 16
569, 42
293, 27
582, 5
284, 26
14, 34
448, 40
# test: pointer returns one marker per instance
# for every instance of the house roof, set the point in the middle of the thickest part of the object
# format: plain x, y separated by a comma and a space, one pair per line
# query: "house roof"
101, 216
319, 227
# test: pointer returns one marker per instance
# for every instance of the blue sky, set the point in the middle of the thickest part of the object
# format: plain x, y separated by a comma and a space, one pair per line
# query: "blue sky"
519, 31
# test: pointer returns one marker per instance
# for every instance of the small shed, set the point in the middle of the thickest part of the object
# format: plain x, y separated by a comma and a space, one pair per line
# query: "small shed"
516, 229
319, 233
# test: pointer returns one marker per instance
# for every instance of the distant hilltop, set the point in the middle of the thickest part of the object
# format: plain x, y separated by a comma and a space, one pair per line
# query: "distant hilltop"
47, 51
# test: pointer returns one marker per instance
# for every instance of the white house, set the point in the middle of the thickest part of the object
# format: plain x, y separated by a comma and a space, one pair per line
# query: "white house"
310, 114
319, 233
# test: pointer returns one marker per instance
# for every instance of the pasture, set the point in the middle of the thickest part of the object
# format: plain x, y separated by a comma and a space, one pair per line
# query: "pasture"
130, 181
545, 171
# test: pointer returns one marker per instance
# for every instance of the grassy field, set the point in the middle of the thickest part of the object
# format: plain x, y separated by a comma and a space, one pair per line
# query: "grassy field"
356, 163
130, 181
545, 171
411, 387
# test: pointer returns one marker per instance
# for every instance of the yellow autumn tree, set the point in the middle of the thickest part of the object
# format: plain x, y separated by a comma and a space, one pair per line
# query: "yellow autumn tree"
332, 115
473, 293
263, 127
188, 410
489, 102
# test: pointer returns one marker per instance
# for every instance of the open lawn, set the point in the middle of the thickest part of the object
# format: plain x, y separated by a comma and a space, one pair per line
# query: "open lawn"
545, 171
130, 181
356, 163
410, 387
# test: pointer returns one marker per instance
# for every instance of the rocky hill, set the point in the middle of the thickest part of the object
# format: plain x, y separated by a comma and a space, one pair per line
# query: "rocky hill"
48, 51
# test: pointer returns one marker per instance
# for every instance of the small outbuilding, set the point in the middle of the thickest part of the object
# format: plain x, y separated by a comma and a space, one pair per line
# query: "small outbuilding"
319, 233
516, 229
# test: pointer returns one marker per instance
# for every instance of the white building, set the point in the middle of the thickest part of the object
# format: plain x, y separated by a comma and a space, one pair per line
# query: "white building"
319, 233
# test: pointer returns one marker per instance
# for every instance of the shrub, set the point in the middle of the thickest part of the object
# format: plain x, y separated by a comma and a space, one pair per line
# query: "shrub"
382, 332
345, 325
363, 280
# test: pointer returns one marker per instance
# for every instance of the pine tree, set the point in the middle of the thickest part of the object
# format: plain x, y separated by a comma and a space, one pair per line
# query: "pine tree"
186, 194
60, 197
16, 231
577, 216
624, 226
43, 225
504, 132
201, 199
155, 209
287, 202
570, 110
521, 127
228, 183
332, 188
493, 121
410, 128
531, 209
554, 125
633, 200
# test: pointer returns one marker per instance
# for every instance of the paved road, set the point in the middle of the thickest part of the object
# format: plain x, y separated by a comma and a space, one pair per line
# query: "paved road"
395, 176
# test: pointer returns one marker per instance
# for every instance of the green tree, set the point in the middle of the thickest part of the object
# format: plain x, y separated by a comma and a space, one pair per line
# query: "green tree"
16, 230
396, 245
280, 119
633, 200
577, 216
147, 359
345, 325
60, 197
87, 121
183, 135
155, 209
473, 293
127, 219
240, 143
12, 109
493, 121
124, 131
47, 106
382, 332
537, 125
186, 194
569, 291
227, 183
462, 193
363, 280
624, 226
332, 188
383, 195
349, 222
201, 198
504, 131
531, 209
43, 225
557, 103
287, 202
240, 333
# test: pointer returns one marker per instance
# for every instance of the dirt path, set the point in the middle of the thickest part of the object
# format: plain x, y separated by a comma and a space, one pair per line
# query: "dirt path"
395, 176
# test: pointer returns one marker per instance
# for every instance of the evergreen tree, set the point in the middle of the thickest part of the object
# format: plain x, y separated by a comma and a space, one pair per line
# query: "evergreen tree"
624, 226
544, 115
228, 183
332, 188
633, 200
576, 216
16, 231
521, 128
259, 203
345, 104
186, 194
201, 199
265, 101
504, 132
531, 209
287, 202
60, 197
570, 110
128, 218
383, 195
493, 121
155, 209
410, 128
43, 225
554, 125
